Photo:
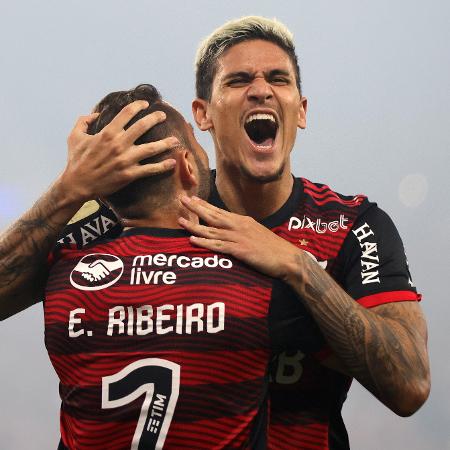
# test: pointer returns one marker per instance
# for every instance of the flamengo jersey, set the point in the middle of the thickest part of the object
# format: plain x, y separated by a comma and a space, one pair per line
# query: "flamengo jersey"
359, 246
161, 344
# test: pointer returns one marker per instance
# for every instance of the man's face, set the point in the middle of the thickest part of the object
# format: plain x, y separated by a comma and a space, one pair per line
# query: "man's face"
254, 111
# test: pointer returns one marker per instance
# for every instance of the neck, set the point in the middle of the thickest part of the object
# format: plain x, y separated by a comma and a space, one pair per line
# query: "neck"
166, 217
249, 197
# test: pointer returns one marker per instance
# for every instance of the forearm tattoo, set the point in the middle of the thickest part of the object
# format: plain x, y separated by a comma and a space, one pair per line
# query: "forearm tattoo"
24, 248
382, 350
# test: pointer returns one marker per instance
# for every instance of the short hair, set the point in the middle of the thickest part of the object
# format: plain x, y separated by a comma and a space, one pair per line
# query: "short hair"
232, 33
158, 189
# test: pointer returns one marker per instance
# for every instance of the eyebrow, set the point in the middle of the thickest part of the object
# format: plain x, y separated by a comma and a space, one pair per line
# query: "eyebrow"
249, 75
279, 72
241, 74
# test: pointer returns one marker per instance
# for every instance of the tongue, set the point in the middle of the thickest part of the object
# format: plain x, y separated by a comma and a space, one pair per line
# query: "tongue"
265, 143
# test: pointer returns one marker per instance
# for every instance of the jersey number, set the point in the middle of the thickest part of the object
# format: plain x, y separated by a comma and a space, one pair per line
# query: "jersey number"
159, 380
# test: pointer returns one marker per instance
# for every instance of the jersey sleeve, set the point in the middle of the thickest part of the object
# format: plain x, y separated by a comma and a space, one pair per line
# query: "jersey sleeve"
375, 265
94, 221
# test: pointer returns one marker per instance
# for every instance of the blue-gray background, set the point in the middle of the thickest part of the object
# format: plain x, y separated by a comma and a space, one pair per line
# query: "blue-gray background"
377, 78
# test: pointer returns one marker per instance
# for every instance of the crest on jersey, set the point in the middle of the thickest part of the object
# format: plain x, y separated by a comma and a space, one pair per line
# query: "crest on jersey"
96, 271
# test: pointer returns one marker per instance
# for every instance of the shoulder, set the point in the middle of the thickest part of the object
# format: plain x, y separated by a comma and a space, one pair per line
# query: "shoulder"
324, 196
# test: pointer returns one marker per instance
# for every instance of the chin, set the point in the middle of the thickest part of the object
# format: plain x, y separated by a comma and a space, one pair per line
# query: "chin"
263, 176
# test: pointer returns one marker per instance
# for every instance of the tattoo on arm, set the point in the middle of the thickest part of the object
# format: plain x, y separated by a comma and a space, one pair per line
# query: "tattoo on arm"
24, 248
384, 348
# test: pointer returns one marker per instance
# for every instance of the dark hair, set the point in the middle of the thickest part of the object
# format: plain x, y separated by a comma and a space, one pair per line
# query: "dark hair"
232, 33
156, 189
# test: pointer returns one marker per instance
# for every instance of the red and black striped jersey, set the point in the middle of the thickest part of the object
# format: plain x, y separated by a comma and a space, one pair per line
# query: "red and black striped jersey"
161, 344
359, 246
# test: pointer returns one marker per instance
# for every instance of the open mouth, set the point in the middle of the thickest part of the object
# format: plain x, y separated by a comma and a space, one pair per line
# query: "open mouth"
261, 129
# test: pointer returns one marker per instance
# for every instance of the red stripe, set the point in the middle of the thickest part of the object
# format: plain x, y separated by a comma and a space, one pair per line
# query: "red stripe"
332, 197
227, 432
381, 298
298, 436
248, 302
220, 367
319, 193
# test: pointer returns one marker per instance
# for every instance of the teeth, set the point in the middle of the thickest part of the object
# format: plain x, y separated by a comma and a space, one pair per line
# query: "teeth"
260, 116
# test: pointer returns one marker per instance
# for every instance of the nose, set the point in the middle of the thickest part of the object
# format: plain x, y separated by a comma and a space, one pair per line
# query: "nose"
259, 90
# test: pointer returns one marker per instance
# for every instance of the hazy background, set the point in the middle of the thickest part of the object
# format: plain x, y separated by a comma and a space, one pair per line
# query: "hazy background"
377, 78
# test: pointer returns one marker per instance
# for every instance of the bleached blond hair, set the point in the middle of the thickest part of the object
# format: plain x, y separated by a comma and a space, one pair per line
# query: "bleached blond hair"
231, 33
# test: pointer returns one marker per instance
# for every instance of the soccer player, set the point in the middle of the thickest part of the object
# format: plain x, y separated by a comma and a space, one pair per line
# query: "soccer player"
159, 343
249, 97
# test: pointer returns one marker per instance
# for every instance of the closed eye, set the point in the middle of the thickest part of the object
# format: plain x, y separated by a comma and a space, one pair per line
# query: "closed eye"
238, 82
280, 81
238, 79
279, 77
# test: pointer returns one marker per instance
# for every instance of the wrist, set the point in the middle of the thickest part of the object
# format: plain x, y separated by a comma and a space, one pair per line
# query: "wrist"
69, 191
293, 268
66, 196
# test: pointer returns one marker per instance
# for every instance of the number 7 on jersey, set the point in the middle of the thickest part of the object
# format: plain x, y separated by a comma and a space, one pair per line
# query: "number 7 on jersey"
159, 380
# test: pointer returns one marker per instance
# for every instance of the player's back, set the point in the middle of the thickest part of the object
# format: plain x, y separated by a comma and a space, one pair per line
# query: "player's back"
156, 343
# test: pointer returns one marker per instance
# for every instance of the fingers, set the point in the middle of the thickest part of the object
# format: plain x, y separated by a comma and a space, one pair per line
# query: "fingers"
84, 121
144, 151
117, 125
197, 229
143, 125
209, 233
215, 245
210, 214
152, 169
82, 124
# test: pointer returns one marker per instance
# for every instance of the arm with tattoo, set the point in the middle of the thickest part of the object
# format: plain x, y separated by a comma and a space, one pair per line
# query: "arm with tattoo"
97, 165
384, 348
24, 248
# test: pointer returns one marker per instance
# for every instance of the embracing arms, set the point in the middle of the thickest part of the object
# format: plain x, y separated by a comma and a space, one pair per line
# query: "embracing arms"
384, 348
97, 165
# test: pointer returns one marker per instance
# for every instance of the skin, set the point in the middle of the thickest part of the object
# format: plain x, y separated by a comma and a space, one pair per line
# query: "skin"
97, 166
252, 77
384, 348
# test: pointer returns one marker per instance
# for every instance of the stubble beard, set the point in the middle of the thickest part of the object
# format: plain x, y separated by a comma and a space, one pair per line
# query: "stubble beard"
263, 179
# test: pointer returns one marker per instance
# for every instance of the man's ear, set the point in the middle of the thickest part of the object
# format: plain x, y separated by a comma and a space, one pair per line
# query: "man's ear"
301, 120
188, 173
201, 116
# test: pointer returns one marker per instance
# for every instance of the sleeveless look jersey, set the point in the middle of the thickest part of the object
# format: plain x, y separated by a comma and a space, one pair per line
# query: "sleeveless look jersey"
159, 344
359, 246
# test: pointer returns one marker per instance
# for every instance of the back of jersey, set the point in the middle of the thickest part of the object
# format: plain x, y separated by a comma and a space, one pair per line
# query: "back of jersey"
157, 344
